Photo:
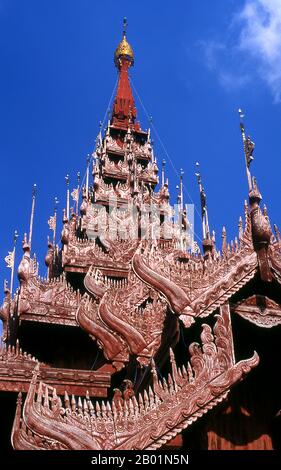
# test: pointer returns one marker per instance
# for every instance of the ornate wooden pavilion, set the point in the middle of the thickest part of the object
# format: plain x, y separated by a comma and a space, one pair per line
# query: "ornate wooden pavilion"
136, 339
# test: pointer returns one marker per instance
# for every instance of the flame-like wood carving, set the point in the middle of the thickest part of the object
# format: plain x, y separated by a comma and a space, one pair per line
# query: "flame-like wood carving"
128, 422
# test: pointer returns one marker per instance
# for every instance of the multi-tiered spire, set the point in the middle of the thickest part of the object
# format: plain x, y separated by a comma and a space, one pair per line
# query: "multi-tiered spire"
124, 111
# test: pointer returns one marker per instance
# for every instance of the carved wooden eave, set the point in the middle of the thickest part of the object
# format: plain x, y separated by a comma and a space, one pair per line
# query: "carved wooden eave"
121, 171
260, 310
128, 422
274, 255
124, 317
196, 287
16, 369
189, 285
22, 438
80, 255
48, 301
5, 313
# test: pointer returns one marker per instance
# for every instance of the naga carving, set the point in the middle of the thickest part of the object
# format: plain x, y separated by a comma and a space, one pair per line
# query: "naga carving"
129, 422
126, 316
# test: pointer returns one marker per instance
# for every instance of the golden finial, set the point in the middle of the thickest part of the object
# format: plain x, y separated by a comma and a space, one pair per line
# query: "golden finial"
124, 49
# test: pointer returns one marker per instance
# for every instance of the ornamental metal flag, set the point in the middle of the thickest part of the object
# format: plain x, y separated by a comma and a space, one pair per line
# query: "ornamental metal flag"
75, 194
52, 222
10, 259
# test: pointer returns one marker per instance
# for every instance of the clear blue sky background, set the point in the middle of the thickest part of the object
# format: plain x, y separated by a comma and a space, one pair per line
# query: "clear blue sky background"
196, 63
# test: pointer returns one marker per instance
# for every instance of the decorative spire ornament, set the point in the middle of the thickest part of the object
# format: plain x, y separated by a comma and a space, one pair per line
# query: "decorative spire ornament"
75, 193
124, 49
181, 188
67, 196
34, 192
163, 172
10, 260
204, 211
124, 111
52, 222
87, 175
248, 146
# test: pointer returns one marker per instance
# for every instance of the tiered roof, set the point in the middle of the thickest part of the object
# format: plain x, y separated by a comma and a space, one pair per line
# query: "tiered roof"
128, 275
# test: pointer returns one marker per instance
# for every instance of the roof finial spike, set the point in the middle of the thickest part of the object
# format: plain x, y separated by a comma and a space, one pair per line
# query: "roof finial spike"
248, 146
265, 213
124, 49
125, 25
224, 242
240, 228
10, 260
88, 160
67, 195
52, 222
181, 188
204, 211
163, 171
34, 191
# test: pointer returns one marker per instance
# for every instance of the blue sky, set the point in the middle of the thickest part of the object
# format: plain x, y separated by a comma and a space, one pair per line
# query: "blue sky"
196, 63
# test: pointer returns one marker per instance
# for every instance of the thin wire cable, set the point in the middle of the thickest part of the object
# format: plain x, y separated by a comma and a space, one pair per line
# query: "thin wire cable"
158, 371
94, 363
165, 150
182, 335
109, 103
102, 124
135, 377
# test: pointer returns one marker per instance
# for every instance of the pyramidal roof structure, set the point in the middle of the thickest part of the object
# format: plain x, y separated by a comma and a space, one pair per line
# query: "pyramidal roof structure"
131, 337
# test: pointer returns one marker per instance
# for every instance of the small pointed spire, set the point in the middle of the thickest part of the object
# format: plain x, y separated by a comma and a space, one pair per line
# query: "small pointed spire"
277, 233
52, 222
76, 192
174, 369
98, 410
163, 172
224, 242
203, 200
248, 147
181, 188
124, 111
66, 400
190, 373
265, 213
184, 371
10, 260
108, 408
24, 266
67, 196
140, 400
240, 228
125, 25
79, 406
85, 407
146, 399
91, 408
88, 173
73, 403
34, 191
